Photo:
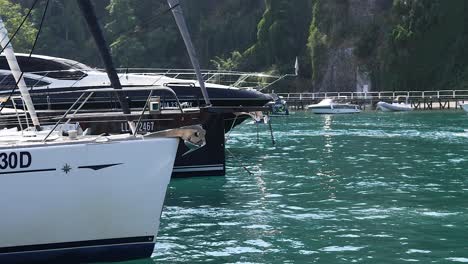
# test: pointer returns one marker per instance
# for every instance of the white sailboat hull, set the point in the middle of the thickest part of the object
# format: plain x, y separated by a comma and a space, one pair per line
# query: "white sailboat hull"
84, 201
395, 107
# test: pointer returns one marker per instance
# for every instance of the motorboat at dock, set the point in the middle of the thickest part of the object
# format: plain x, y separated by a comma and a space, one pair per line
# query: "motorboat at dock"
465, 107
395, 106
47, 74
279, 106
330, 106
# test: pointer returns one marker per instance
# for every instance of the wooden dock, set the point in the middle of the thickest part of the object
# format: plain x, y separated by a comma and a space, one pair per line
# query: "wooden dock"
422, 100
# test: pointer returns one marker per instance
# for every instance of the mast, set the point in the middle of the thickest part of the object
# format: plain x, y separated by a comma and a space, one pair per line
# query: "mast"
180, 20
17, 74
89, 14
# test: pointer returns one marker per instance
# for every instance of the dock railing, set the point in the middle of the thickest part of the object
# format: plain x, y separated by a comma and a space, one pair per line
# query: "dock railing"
441, 94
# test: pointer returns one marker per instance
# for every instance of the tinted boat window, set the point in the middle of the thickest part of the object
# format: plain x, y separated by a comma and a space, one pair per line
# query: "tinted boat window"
8, 82
34, 83
64, 75
4, 64
34, 64
58, 69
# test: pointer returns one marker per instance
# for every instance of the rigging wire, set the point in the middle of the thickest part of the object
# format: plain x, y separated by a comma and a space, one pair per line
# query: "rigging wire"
30, 53
240, 162
40, 29
153, 20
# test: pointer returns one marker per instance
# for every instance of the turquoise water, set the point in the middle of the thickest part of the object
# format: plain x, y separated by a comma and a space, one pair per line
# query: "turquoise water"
366, 188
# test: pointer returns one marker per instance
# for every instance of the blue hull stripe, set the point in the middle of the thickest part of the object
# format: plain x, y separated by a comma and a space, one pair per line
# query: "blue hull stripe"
88, 243
105, 250
26, 171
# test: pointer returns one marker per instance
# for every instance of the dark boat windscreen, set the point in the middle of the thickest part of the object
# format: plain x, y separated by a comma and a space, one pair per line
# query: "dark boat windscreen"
35, 64
8, 82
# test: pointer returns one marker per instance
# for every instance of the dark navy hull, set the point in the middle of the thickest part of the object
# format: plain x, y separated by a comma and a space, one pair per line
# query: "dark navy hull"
219, 97
77, 252
207, 161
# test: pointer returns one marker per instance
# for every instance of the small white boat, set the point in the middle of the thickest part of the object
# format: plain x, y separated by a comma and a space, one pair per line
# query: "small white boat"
395, 106
329, 106
465, 107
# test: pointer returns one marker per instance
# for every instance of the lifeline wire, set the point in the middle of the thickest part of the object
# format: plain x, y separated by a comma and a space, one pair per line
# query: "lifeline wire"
152, 20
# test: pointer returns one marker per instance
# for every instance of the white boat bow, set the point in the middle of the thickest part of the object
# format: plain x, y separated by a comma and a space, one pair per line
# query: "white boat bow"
394, 107
86, 198
329, 106
465, 107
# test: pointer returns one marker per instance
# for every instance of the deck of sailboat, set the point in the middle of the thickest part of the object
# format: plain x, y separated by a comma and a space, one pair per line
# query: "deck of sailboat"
16, 139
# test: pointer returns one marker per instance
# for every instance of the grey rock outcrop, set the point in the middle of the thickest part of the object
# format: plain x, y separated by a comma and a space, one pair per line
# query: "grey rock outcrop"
341, 70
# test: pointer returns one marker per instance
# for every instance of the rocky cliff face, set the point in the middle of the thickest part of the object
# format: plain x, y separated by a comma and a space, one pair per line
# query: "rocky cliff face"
340, 73
362, 12
340, 69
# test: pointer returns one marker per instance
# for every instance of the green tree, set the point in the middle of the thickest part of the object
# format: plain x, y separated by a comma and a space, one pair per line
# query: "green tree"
281, 36
426, 45
12, 15
228, 64
317, 44
65, 33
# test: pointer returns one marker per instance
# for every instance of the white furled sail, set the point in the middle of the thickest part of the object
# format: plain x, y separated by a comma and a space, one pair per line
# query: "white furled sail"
15, 70
180, 20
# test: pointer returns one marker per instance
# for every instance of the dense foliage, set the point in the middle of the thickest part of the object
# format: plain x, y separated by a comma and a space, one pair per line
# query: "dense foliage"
427, 45
12, 14
407, 45
281, 35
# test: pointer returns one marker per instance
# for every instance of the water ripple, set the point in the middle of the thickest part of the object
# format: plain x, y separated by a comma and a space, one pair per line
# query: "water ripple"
368, 188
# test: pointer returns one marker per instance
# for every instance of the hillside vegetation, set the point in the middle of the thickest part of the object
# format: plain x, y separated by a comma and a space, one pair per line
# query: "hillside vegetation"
342, 45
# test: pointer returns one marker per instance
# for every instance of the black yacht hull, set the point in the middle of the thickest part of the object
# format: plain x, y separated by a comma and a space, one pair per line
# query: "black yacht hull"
206, 161
62, 98
230, 107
